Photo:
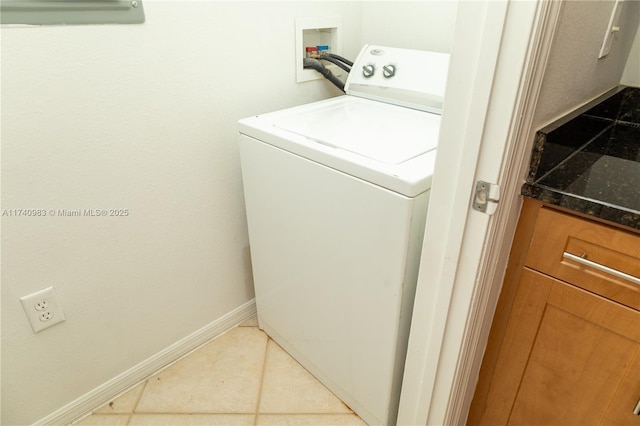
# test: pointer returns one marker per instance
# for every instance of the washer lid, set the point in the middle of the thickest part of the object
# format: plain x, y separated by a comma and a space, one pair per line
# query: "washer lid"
386, 133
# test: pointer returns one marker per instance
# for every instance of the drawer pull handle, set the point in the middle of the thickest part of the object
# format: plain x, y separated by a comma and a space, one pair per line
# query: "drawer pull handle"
636, 410
583, 261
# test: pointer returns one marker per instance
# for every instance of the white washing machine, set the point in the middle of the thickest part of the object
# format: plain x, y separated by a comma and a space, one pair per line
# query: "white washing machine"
336, 195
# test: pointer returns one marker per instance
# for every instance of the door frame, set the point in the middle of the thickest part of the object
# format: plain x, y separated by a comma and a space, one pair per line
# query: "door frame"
494, 84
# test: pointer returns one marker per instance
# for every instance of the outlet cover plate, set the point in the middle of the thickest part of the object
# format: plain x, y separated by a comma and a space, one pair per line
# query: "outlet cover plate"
42, 309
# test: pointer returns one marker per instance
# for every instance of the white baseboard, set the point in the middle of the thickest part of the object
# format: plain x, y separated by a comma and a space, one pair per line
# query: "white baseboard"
121, 383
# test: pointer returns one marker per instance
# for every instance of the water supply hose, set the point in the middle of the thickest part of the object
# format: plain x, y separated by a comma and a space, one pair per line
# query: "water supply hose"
318, 66
329, 58
340, 58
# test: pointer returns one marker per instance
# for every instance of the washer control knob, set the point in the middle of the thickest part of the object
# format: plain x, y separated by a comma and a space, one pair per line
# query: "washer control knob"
389, 70
368, 70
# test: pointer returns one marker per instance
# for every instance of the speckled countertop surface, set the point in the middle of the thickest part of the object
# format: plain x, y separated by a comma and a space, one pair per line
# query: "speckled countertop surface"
589, 161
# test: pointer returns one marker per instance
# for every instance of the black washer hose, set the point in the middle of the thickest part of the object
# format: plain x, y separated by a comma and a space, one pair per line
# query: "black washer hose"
340, 58
318, 66
338, 62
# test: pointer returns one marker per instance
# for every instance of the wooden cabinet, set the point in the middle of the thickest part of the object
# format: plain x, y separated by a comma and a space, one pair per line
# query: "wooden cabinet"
590, 255
564, 347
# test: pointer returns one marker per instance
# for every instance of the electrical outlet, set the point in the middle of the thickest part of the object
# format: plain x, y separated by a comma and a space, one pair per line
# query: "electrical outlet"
42, 309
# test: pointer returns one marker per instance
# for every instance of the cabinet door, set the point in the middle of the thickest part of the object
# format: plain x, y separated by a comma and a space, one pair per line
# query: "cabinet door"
569, 357
599, 258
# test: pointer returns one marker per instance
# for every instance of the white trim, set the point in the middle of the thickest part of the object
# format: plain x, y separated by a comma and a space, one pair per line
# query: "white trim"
501, 231
473, 63
124, 381
465, 252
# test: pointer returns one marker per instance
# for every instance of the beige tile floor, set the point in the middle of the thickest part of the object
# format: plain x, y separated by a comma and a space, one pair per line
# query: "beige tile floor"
240, 378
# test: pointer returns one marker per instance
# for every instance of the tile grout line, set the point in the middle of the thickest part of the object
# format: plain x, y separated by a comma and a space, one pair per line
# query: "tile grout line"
157, 372
239, 413
256, 412
312, 413
261, 387
135, 406
266, 415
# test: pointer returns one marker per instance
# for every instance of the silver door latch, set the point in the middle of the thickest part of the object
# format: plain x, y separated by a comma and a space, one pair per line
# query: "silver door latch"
486, 197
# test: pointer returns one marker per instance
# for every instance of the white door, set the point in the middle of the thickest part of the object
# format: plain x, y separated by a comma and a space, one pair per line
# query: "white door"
498, 55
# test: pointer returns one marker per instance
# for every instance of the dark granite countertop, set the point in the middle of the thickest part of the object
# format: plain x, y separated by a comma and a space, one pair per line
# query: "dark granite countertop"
589, 161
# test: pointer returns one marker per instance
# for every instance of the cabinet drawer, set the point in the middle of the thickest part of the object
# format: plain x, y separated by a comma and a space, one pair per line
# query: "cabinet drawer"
590, 255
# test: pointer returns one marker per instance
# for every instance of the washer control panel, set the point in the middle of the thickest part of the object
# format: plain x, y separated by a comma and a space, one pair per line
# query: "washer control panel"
406, 77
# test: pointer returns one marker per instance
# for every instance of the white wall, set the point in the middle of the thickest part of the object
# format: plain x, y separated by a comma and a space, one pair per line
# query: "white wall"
631, 74
141, 117
574, 74
423, 24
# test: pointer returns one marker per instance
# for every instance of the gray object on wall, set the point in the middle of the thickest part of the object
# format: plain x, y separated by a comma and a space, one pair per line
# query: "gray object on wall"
71, 12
